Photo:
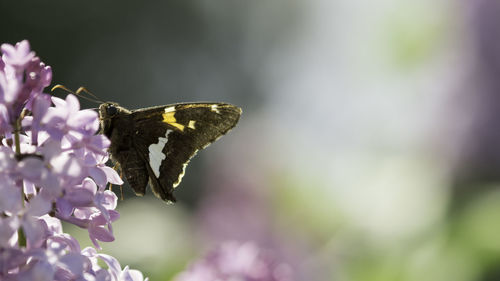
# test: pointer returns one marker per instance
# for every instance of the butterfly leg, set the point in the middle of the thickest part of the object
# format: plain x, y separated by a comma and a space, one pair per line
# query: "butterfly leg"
121, 186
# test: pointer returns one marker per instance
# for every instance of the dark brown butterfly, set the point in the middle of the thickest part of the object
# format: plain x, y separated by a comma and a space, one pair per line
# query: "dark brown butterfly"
155, 144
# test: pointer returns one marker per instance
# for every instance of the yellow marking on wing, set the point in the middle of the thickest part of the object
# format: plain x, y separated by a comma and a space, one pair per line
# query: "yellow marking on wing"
168, 117
191, 124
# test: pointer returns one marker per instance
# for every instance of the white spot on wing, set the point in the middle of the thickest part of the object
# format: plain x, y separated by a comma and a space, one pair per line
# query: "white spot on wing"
179, 179
214, 108
181, 175
170, 109
156, 155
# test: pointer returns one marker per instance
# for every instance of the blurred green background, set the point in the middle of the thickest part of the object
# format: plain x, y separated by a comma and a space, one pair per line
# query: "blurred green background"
368, 149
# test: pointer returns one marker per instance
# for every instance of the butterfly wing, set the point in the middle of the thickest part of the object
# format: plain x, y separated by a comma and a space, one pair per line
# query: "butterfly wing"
135, 170
167, 137
118, 126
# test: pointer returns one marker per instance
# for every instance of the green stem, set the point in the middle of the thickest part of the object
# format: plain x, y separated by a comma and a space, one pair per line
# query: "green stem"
17, 129
21, 240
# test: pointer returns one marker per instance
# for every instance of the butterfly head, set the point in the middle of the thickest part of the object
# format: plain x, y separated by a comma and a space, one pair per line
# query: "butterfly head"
108, 111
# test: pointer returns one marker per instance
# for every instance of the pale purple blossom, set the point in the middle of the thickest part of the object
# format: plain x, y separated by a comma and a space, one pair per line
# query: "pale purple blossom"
237, 261
52, 168
67, 123
114, 272
17, 56
22, 78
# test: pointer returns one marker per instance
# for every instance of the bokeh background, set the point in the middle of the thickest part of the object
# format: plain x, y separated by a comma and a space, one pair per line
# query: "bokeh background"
369, 146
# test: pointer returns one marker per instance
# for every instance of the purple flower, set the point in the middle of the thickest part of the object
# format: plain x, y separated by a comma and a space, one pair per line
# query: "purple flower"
22, 79
237, 261
17, 56
114, 272
52, 167
101, 173
67, 123
38, 76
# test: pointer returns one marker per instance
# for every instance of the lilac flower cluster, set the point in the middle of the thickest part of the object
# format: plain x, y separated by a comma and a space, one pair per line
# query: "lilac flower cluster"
52, 169
237, 261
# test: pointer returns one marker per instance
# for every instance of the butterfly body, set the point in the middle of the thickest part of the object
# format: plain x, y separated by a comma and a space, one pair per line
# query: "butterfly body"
155, 144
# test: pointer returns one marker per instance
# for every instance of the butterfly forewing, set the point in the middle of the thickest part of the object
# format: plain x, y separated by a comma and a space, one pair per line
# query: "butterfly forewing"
166, 137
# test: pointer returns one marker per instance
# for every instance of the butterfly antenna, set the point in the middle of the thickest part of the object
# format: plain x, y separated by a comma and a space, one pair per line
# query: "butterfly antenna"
77, 93
59, 86
83, 89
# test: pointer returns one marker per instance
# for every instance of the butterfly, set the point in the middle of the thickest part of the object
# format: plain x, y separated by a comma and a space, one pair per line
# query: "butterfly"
154, 145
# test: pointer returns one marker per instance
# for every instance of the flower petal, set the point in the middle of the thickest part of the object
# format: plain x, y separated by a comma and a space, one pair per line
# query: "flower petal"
81, 119
111, 175
72, 103
39, 206
98, 175
80, 197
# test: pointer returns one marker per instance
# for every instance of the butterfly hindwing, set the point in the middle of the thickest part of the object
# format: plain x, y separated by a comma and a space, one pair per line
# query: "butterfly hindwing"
167, 137
135, 170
